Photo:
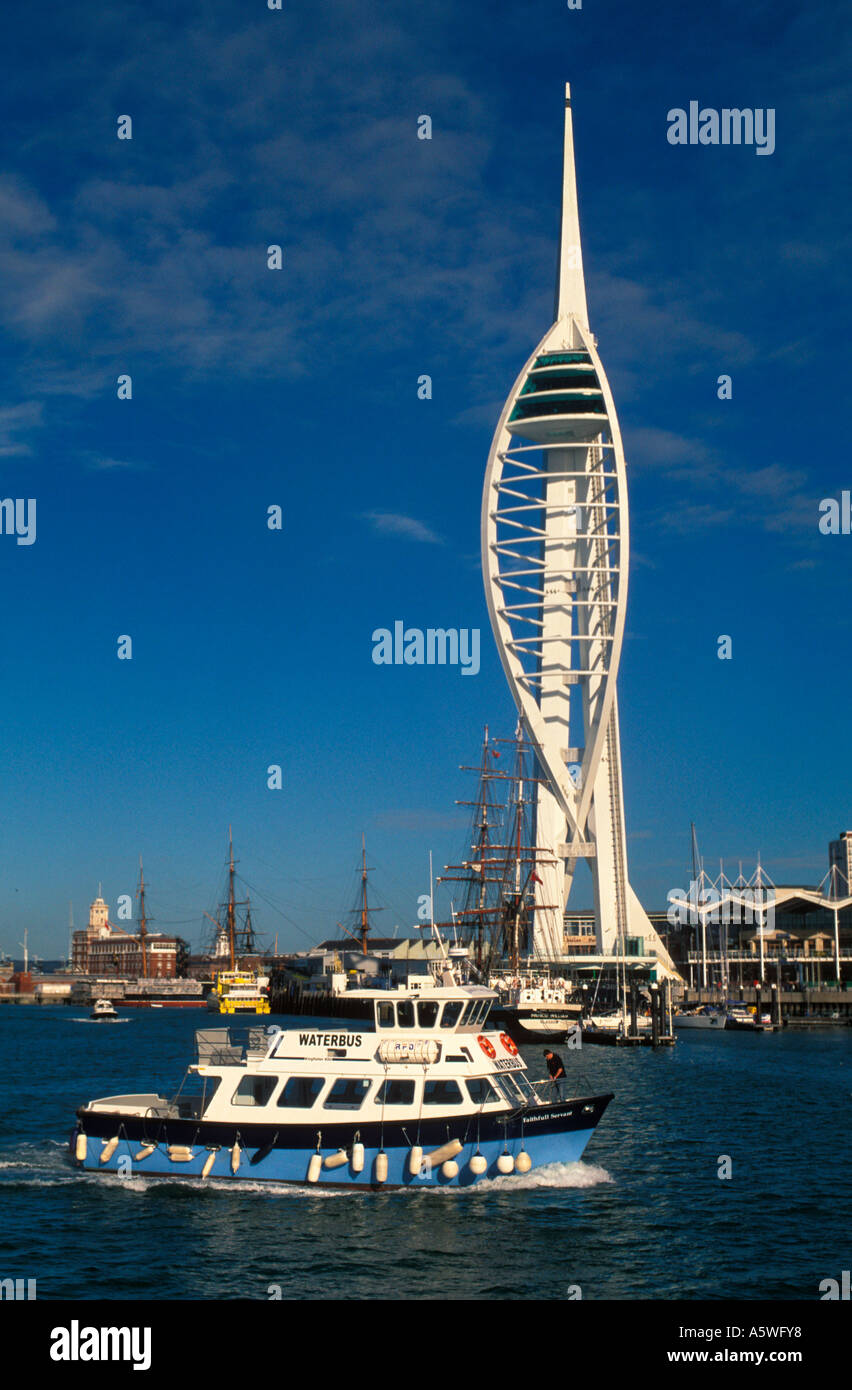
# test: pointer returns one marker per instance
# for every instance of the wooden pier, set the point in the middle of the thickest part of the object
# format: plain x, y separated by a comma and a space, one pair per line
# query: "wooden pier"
661, 1033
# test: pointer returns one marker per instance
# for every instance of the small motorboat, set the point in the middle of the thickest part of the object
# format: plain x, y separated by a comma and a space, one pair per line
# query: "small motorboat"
706, 1017
103, 1012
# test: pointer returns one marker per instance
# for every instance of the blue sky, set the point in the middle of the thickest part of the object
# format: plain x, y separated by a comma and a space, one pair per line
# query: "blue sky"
299, 388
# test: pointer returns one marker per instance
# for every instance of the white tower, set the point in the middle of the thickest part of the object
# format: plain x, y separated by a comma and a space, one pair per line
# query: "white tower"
555, 549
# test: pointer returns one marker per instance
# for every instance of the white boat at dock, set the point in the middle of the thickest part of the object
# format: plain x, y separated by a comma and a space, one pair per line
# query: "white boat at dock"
706, 1017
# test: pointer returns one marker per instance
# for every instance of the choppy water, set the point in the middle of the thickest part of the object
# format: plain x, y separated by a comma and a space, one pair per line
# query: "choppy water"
643, 1216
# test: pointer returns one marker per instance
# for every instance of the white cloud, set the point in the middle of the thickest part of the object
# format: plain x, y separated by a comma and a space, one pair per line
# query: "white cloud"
393, 524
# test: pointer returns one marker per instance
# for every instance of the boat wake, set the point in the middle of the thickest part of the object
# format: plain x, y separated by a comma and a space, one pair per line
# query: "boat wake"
99, 1021
561, 1176
39, 1164
550, 1175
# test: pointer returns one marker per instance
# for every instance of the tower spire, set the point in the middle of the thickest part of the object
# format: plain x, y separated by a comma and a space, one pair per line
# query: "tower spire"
570, 284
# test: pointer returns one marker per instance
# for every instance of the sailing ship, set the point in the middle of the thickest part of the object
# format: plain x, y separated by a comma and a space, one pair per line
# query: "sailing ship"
495, 918
236, 990
333, 992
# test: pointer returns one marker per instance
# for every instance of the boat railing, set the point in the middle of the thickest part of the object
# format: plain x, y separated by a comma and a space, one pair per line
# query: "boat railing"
559, 1089
227, 1047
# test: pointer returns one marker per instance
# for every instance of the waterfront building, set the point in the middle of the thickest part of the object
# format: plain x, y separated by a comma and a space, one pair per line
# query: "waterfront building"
804, 940
104, 949
840, 861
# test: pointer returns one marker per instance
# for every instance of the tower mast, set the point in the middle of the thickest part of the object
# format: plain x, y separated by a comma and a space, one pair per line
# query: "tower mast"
231, 918
143, 921
365, 916
570, 283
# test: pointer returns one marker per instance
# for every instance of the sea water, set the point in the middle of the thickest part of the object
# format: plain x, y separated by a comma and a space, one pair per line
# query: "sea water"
645, 1214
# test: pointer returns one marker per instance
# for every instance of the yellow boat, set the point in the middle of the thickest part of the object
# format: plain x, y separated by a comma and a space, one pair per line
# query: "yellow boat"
238, 992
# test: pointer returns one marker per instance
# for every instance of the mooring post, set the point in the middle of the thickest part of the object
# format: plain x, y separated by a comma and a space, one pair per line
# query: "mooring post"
634, 1009
656, 1001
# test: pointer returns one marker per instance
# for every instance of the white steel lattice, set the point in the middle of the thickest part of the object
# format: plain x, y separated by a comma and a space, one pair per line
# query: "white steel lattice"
555, 556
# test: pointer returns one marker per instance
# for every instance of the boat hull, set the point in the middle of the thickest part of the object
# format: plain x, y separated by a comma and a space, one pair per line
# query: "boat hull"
556, 1133
715, 1021
526, 1024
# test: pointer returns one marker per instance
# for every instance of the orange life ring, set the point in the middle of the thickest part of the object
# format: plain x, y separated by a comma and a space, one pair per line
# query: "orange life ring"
486, 1046
508, 1044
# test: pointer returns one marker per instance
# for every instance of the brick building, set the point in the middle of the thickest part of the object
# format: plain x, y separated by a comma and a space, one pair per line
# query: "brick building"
103, 949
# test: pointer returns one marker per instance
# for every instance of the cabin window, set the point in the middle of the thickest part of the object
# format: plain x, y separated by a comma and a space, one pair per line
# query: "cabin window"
395, 1093
211, 1086
405, 1014
482, 1091
471, 1013
451, 1013
427, 1013
254, 1090
301, 1092
442, 1093
384, 1014
347, 1093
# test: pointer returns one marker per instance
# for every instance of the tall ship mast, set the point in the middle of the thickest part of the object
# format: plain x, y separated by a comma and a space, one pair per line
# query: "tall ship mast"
239, 989
143, 921
499, 880
481, 875
363, 909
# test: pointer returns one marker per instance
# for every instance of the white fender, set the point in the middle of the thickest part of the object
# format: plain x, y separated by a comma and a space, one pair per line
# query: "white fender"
80, 1148
180, 1153
381, 1166
505, 1163
415, 1160
523, 1163
236, 1152
478, 1164
450, 1169
208, 1164
357, 1158
109, 1149
336, 1160
144, 1153
314, 1167
445, 1151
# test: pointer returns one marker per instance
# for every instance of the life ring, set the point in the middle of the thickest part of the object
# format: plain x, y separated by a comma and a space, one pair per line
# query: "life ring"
508, 1044
487, 1047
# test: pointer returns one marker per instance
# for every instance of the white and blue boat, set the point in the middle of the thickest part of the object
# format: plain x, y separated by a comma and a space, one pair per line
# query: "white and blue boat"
423, 1093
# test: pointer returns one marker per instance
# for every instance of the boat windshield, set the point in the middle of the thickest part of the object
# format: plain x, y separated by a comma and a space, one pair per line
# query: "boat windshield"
516, 1088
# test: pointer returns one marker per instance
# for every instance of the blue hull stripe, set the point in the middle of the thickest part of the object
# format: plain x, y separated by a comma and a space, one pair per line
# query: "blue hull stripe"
291, 1165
